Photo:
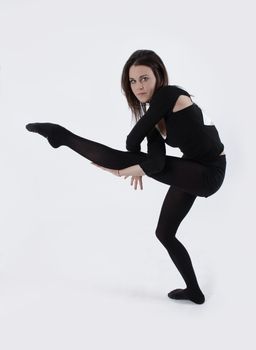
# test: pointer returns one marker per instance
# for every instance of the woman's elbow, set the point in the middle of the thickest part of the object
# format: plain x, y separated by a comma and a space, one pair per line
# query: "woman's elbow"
160, 165
131, 147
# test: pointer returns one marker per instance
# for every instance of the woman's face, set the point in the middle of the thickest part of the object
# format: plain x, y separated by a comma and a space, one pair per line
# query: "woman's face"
142, 82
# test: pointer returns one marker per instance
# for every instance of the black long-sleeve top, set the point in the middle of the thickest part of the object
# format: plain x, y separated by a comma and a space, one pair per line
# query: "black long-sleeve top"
186, 129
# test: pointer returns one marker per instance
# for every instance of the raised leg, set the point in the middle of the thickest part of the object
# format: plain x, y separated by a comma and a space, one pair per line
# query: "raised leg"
187, 175
100, 154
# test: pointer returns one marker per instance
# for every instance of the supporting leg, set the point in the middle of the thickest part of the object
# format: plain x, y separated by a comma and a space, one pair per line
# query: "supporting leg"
175, 207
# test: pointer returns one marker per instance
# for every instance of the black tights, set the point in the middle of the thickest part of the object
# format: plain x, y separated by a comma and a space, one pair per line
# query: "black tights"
187, 179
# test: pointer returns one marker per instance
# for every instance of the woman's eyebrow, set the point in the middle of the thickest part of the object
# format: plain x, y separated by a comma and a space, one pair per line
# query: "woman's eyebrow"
140, 76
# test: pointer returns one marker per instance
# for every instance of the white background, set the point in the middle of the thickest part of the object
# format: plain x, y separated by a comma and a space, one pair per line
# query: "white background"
80, 266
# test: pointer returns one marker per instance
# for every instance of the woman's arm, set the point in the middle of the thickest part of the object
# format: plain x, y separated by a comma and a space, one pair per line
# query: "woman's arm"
134, 170
156, 150
154, 162
162, 102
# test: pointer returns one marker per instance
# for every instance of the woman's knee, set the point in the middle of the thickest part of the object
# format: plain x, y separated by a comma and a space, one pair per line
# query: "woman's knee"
165, 236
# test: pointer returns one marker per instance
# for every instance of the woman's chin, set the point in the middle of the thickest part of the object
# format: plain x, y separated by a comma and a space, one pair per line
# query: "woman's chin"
144, 100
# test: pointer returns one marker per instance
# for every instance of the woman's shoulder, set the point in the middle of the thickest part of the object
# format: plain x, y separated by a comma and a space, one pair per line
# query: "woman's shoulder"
169, 92
178, 89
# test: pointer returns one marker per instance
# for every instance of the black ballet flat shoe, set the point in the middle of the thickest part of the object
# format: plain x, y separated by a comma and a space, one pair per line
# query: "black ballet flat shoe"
55, 134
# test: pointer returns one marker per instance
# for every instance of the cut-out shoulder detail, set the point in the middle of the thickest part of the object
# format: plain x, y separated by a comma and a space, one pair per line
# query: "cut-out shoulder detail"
182, 102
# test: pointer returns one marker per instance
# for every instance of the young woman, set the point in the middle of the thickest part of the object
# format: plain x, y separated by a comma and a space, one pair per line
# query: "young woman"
172, 118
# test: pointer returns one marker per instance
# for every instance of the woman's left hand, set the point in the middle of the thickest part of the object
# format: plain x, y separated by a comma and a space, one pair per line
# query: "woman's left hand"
134, 170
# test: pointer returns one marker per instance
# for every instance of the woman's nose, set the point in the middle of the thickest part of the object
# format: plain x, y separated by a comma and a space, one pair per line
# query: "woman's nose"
141, 87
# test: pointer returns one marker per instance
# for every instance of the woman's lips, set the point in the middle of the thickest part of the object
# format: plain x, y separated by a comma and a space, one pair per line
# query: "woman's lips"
142, 93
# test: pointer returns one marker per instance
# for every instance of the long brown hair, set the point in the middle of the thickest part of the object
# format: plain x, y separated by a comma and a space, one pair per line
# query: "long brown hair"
146, 58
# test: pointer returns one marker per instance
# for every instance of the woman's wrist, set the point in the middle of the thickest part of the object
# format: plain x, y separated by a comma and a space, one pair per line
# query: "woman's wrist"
134, 170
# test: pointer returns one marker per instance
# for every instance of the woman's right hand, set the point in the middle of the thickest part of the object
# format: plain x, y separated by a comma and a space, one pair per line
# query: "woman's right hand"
135, 180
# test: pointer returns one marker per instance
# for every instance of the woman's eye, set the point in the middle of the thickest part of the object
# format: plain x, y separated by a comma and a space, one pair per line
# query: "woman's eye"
132, 81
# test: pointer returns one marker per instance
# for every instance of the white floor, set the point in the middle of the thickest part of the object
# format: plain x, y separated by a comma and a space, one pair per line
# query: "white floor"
62, 288
68, 314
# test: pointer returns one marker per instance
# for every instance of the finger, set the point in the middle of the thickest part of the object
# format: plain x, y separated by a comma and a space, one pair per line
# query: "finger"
137, 181
141, 186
